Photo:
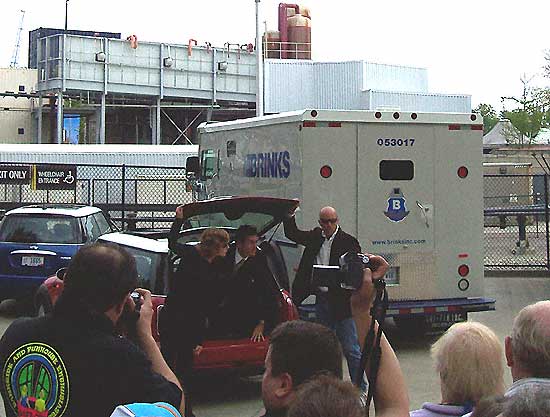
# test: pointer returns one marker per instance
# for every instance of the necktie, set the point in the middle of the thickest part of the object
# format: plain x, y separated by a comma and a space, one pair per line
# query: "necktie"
239, 264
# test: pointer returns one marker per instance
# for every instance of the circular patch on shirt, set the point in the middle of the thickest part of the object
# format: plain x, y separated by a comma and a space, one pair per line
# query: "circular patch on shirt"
36, 381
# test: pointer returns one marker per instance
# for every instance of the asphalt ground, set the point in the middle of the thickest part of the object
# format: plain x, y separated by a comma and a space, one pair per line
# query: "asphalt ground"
227, 395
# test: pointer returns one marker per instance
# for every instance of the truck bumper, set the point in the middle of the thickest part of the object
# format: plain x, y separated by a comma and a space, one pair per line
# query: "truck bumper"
432, 307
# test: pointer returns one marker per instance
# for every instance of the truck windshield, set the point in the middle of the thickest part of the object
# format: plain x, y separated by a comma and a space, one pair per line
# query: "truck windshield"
40, 229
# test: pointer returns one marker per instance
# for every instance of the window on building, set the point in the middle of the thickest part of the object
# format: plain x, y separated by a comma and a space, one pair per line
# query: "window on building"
21, 88
21, 131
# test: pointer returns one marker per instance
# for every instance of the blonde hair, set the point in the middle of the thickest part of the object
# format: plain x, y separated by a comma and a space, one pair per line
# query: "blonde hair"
469, 359
212, 240
531, 339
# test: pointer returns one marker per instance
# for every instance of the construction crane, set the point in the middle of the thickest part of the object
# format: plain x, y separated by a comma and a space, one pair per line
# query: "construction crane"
15, 56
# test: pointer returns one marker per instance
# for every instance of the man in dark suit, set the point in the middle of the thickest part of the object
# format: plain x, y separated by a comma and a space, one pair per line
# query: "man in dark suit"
323, 246
247, 302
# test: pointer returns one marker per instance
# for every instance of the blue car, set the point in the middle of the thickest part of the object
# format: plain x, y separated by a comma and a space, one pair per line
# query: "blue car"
35, 241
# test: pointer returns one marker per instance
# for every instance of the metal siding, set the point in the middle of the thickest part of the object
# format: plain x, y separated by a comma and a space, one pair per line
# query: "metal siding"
288, 86
137, 71
394, 78
419, 102
144, 155
338, 85
345, 85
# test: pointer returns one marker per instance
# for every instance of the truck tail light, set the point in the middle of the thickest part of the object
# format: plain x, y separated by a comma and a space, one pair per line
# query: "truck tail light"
462, 172
463, 270
326, 171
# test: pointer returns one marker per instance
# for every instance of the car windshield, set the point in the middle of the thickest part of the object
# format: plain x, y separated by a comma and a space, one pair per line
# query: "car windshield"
40, 229
227, 220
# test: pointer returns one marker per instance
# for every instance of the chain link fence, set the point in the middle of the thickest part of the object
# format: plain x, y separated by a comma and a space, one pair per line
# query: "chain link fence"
133, 196
516, 222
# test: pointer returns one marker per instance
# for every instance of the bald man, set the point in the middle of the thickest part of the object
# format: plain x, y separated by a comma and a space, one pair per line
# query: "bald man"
527, 349
323, 246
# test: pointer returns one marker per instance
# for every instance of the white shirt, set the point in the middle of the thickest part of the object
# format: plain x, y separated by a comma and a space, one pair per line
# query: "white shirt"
238, 257
323, 257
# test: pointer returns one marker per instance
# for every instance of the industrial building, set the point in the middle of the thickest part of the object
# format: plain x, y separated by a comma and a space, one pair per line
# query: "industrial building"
17, 105
95, 88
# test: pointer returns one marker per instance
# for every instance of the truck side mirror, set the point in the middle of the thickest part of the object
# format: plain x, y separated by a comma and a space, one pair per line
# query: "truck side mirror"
192, 165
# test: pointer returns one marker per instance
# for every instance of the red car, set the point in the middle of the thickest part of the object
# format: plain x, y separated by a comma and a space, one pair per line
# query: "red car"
156, 264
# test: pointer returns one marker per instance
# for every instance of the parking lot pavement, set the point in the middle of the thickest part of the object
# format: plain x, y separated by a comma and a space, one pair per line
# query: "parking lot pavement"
228, 396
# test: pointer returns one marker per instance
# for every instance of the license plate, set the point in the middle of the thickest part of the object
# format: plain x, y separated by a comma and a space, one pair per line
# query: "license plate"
445, 318
32, 260
392, 276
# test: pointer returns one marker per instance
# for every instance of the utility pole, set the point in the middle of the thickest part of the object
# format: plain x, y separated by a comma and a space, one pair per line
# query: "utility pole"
66, 13
259, 66
15, 56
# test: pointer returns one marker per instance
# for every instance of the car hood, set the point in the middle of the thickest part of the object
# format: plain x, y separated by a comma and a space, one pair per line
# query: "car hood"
235, 209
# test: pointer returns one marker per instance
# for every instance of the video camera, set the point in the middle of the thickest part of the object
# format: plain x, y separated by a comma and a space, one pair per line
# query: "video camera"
348, 275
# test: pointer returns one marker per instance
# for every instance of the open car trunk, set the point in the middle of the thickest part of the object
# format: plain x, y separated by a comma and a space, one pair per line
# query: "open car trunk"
234, 349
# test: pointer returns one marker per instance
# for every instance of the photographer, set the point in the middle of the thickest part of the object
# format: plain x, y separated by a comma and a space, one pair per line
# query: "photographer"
73, 362
323, 246
301, 350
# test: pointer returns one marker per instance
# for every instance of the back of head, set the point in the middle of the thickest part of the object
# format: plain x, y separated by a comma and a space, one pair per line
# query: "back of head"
326, 396
99, 276
529, 400
470, 362
531, 339
212, 239
303, 349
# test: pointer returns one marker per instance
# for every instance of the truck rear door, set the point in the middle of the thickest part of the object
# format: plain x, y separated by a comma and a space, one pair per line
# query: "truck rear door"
395, 203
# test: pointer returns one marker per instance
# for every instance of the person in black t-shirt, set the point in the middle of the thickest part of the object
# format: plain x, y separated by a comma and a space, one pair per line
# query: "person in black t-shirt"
74, 362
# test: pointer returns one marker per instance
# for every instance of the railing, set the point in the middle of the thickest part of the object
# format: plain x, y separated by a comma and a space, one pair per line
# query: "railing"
135, 196
516, 215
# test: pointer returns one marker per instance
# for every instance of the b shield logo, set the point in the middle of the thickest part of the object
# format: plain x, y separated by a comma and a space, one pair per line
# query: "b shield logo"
397, 208
36, 381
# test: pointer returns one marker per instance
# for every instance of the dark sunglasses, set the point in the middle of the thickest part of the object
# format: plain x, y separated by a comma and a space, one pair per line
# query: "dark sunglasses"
327, 221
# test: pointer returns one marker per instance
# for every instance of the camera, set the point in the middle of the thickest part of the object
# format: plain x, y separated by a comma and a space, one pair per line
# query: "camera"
136, 297
348, 275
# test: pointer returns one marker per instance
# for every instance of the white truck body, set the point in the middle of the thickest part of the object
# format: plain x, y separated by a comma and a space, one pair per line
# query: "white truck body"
394, 181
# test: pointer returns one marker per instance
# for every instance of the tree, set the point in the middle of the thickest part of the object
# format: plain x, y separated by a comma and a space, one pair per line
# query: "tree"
490, 118
530, 116
546, 67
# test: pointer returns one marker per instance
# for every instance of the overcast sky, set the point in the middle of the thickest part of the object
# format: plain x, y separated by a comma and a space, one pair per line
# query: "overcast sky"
478, 47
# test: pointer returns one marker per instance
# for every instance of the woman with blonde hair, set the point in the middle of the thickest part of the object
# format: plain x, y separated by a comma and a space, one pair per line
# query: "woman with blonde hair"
190, 298
470, 362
